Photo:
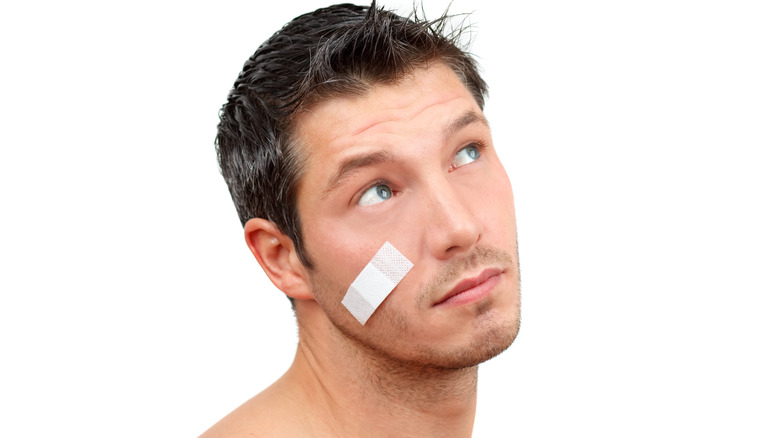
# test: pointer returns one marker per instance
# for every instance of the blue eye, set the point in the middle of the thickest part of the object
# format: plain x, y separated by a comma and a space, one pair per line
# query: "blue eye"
375, 195
466, 155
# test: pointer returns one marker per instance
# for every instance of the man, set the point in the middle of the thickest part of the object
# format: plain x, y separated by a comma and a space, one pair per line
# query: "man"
349, 130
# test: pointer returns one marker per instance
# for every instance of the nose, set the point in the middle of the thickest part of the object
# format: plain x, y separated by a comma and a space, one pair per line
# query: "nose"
451, 227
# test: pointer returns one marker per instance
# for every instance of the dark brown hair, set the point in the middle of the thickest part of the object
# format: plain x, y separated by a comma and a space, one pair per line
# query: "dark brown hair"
335, 51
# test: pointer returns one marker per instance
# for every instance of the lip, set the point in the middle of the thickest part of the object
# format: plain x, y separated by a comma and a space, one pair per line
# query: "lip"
472, 289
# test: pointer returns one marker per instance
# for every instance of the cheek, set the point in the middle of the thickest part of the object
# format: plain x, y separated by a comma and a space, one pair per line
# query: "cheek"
339, 254
498, 205
502, 187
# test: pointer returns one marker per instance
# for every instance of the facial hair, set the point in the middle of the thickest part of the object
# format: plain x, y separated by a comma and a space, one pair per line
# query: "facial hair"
395, 323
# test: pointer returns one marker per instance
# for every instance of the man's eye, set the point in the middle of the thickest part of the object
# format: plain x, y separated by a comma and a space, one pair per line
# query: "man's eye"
465, 156
375, 195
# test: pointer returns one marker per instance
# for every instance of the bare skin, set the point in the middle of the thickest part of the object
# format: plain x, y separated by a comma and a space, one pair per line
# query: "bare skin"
438, 192
324, 398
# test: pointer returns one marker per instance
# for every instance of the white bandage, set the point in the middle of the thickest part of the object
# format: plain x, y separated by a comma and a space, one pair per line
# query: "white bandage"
375, 282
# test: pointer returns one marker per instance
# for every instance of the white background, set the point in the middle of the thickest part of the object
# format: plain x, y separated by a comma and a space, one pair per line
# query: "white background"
642, 141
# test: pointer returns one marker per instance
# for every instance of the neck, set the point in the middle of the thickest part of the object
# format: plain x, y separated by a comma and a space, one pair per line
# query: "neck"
352, 390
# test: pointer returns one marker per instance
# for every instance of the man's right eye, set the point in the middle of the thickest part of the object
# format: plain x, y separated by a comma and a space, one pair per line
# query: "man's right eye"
375, 194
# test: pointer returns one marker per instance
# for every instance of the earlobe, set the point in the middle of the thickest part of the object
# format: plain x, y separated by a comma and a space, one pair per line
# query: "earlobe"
277, 256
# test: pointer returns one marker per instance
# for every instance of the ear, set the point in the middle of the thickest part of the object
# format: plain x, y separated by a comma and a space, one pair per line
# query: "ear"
277, 256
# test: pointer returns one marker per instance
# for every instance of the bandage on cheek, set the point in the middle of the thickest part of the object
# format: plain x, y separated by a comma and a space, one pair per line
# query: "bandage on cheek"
375, 282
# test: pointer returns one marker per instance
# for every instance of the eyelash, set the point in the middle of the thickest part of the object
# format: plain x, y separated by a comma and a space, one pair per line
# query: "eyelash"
479, 144
371, 185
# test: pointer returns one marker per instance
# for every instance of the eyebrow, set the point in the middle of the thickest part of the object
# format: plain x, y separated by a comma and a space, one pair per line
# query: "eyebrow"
463, 121
354, 164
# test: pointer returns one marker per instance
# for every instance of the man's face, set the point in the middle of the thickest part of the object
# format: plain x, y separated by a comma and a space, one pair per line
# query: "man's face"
412, 164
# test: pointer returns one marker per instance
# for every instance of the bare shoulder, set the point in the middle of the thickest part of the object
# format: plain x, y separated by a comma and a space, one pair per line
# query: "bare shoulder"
270, 413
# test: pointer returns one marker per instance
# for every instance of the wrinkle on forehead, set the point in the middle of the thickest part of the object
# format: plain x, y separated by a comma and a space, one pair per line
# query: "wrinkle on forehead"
331, 121
401, 115
331, 130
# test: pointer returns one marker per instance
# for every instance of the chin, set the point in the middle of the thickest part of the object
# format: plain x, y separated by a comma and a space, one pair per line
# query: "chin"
489, 345
488, 342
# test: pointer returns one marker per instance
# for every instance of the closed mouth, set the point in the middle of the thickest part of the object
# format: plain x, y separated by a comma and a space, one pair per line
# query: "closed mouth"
471, 289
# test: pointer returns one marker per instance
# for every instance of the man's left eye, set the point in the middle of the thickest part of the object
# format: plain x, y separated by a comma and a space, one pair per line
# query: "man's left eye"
466, 155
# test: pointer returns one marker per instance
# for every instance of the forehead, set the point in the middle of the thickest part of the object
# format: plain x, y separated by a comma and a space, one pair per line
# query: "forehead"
421, 101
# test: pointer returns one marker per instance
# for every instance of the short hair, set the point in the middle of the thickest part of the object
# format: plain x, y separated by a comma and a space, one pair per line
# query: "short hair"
340, 50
